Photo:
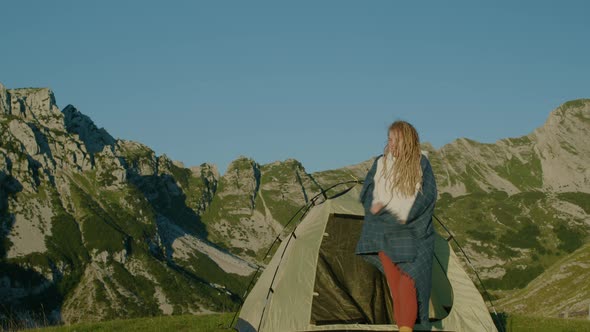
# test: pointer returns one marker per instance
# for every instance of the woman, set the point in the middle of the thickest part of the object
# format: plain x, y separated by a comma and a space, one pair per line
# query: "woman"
399, 195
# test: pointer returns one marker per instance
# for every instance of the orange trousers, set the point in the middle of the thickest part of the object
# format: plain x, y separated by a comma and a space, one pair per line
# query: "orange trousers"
403, 293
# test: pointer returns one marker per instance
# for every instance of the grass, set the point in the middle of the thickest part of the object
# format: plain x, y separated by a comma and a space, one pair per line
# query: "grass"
580, 199
523, 231
545, 324
563, 282
578, 103
203, 323
515, 277
525, 176
220, 323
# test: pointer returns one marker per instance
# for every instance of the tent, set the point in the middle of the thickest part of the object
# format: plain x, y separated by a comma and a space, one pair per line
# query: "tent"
315, 282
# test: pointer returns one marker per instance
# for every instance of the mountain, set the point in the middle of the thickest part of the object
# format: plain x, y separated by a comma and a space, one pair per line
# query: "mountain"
553, 158
563, 288
516, 206
520, 204
253, 202
96, 228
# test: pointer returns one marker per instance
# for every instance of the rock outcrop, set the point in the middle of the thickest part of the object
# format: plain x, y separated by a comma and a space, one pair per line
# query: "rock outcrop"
118, 231
553, 158
107, 225
563, 148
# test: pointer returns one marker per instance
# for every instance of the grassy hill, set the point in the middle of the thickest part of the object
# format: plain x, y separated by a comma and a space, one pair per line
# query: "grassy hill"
93, 228
564, 287
513, 239
96, 228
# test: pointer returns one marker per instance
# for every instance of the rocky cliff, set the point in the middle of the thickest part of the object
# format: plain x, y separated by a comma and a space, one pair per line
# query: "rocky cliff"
553, 158
94, 227
516, 206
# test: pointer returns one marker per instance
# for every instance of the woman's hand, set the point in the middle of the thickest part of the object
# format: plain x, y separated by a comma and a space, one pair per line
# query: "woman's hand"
376, 207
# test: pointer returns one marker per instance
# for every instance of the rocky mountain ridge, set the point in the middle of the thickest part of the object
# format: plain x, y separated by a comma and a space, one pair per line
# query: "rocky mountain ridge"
515, 205
552, 159
95, 228
108, 229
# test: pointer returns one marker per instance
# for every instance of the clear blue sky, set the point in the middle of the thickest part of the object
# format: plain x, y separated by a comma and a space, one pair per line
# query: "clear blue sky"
318, 81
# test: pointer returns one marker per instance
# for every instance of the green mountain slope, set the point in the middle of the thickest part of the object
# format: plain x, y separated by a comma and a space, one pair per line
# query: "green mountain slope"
562, 288
513, 239
95, 228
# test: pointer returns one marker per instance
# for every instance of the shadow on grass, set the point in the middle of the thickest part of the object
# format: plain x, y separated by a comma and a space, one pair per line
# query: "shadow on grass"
500, 320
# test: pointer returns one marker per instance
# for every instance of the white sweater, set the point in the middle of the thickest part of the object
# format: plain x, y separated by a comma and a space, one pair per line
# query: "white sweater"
394, 202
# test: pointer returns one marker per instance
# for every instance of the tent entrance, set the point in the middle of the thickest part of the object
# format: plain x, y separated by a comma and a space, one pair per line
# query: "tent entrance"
349, 290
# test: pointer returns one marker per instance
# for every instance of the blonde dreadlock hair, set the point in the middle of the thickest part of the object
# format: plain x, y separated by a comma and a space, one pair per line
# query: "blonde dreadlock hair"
407, 171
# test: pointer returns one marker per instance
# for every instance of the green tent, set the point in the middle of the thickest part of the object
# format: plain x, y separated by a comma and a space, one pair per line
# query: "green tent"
314, 282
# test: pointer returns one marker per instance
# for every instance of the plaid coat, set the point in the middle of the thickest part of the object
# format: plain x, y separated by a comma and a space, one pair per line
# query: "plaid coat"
410, 245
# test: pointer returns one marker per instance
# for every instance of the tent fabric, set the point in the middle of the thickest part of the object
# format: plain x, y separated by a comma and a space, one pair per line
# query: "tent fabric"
303, 275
